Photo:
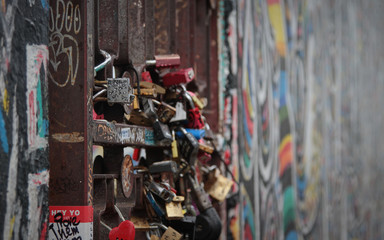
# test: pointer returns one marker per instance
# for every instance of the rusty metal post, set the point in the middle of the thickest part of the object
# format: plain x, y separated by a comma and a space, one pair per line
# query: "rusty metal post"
70, 110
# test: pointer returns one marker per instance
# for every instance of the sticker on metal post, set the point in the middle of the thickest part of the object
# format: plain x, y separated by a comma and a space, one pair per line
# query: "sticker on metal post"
70, 222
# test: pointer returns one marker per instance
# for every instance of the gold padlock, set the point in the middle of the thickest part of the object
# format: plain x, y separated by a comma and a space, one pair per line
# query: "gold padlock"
159, 89
198, 102
219, 188
171, 234
175, 151
140, 223
146, 92
206, 148
174, 209
138, 118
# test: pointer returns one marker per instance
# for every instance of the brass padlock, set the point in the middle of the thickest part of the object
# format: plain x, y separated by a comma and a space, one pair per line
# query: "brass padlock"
205, 148
171, 234
219, 186
165, 112
174, 209
149, 85
146, 92
138, 118
175, 151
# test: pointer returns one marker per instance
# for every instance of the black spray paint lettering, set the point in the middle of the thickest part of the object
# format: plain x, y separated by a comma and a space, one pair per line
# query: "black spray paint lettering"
65, 228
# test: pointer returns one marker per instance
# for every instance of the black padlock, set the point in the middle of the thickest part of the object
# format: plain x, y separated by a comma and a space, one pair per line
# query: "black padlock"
208, 222
186, 226
163, 166
162, 133
188, 146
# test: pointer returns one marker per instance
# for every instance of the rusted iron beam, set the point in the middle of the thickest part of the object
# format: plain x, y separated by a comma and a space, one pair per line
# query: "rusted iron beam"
212, 110
183, 32
70, 89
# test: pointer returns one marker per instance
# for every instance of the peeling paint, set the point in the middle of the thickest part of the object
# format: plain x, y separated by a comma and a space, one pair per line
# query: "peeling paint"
35, 183
6, 101
73, 137
12, 176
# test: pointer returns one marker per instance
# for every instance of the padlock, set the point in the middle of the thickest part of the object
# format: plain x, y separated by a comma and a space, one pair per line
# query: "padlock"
208, 223
165, 112
205, 148
194, 119
181, 76
181, 114
219, 188
138, 118
185, 225
164, 61
150, 85
162, 133
198, 103
155, 206
175, 151
171, 234
188, 146
163, 166
149, 108
147, 92
167, 170
145, 77
174, 209
208, 131
197, 133
127, 176
140, 223
160, 191
119, 90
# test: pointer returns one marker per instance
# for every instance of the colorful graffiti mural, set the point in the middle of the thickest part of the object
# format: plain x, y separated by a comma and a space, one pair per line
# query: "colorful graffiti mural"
299, 73
23, 120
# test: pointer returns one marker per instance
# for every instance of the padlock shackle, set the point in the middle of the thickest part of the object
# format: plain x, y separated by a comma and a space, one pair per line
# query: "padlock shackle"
108, 58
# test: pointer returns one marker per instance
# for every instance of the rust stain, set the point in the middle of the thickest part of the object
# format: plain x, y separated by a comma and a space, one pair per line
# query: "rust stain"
73, 137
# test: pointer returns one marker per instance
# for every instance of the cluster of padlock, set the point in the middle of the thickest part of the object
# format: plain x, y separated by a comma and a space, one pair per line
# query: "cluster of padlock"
178, 178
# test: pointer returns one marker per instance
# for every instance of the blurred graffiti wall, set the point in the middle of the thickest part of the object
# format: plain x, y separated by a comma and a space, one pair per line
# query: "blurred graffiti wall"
303, 87
23, 119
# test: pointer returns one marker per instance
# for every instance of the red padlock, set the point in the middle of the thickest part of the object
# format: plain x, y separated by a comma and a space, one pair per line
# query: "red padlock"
126, 231
182, 76
146, 77
194, 119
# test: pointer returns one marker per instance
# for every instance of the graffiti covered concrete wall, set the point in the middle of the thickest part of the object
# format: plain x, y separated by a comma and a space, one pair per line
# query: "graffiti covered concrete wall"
303, 87
23, 119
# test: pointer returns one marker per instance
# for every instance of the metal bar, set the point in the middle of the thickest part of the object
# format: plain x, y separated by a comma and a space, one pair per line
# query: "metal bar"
70, 88
107, 133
